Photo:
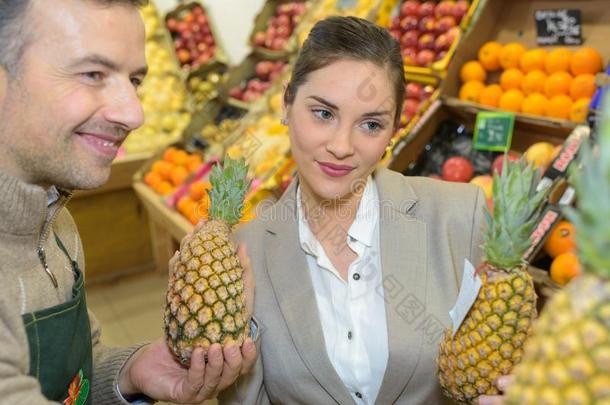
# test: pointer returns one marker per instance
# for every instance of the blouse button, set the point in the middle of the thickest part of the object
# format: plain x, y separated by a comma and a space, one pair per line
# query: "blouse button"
356, 276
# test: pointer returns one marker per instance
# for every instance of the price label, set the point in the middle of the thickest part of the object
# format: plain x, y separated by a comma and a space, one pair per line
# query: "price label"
558, 27
493, 131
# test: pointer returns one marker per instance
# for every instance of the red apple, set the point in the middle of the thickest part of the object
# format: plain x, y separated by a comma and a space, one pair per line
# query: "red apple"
263, 69
427, 92
278, 44
395, 22
425, 57
410, 7
408, 23
498, 162
460, 9
440, 55
441, 43
395, 34
409, 55
411, 107
427, 24
236, 92
172, 24
457, 169
453, 34
427, 9
445, 23
444, 8
426, 41
414, 90
409, 39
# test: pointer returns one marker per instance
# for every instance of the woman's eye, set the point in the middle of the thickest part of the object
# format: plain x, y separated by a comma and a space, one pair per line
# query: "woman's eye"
373, 126
324, 115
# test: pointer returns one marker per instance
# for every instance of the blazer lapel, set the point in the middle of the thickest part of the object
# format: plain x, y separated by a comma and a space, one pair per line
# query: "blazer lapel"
403, 252
289, 274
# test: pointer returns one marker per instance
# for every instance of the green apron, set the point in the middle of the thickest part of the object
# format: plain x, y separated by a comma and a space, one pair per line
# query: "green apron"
60, 345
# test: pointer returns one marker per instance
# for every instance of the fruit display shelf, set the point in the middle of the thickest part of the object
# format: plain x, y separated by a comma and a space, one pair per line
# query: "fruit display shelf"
204, 83
249, 80
429, 32
500, 65
195, 37
273, 36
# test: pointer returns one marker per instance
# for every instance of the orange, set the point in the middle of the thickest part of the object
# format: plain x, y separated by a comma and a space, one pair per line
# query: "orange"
565, 267
162, 168
511, 100
559, 107
533, 82
178, 175
586, 60
180, 158
152, 179
533, 60
535, 104
193, 162
168, 155
201, 208
511, 79
198, 189
582, 86
185, 205
165, 188
489, 55
511, 54
557, 83
580, 109
490, 96
470, 91
561, 239
558, 60
472, 70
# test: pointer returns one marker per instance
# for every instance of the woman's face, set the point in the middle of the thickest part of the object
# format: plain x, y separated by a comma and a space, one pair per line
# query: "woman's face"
341, 121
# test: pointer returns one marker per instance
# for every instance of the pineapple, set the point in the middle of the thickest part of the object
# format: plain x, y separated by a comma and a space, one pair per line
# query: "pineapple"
489, 341
567, 359
205, 299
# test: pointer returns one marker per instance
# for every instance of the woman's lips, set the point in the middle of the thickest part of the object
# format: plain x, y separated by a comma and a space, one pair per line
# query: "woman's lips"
335, 170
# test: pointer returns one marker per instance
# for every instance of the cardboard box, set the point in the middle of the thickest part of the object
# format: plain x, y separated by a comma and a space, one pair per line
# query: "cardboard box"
508, 21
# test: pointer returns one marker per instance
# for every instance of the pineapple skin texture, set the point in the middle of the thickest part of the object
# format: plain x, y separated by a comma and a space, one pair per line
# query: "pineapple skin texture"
567, 359
205, 298
490, 340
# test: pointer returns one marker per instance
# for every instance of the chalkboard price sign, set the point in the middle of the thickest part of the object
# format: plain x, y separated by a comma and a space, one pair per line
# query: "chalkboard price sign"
493, 131
558, 27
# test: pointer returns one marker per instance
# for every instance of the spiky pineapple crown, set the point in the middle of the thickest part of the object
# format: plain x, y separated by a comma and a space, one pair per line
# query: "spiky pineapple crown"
592, 184
229, 186
516, 206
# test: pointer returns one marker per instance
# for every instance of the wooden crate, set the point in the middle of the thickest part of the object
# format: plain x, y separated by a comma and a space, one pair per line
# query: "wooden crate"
113, 226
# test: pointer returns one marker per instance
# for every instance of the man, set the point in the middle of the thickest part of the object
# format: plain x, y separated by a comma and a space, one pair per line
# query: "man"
68, 76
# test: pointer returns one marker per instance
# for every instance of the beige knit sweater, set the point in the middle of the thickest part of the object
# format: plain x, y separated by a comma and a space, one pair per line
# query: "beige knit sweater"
26, 221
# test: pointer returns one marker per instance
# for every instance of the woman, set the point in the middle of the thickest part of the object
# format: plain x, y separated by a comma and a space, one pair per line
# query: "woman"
356, 266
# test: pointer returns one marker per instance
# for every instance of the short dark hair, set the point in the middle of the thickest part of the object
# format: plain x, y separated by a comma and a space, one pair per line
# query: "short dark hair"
337, 38
13, 38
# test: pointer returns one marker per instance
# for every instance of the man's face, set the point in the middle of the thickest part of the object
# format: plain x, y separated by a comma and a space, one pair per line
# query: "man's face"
73, 101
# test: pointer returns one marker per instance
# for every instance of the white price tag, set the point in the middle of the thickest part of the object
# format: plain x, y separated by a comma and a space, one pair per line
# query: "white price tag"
469, 290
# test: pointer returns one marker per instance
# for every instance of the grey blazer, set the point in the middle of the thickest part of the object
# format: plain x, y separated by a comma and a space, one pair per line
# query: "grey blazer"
427, 229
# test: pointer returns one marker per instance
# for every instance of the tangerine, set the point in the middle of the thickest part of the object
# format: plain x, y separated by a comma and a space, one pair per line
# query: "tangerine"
533, 60
152, 179
558, 60
565, 267
535, 104
533, 82
559, 107
582, 86
490, 96
162, 168
168, 155
164, 188
193, 162
580, 109
511, 100
471, 91
586, 60
557, 83
561, 239
511, 79
489, 55
472, 70
178, 175
198, 189
180, 158
511, 54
